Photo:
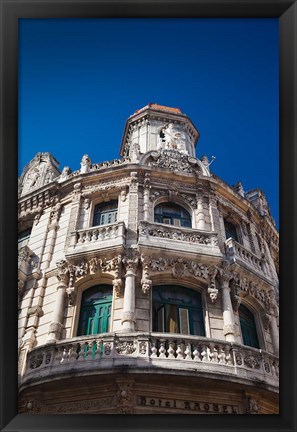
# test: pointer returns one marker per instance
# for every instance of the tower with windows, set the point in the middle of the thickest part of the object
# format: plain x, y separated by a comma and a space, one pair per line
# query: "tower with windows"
146, 284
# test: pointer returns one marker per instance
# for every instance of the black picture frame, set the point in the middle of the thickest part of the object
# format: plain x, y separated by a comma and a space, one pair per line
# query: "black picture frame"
286, 12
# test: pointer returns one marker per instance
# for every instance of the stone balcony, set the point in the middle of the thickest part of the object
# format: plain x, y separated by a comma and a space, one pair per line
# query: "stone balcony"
178, 238
237, 253
103, 237
158, 353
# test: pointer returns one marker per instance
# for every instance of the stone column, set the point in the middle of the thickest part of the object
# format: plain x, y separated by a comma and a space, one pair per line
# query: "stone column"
228, 316
128, 319
56, 326
274, 334
146, 198
200, 214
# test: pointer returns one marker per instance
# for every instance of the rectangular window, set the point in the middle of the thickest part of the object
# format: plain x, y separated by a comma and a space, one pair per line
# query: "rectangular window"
24, 237
176, 222
167, 221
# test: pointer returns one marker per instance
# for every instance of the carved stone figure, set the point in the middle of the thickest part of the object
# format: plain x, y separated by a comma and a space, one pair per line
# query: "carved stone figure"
85, 164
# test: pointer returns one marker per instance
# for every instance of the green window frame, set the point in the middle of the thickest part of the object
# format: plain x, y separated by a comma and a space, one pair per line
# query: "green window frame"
95, 311
177, 309
105, 213
248, 327
172, 214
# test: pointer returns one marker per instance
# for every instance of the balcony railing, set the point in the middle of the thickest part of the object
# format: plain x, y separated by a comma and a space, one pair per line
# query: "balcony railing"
237, 253
186, 239
94, 238
152, 350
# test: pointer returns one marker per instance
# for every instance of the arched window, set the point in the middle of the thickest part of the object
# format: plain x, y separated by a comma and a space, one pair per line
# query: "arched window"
172, 214
230, 230
95, 312
177, 310
105, 213
248, 327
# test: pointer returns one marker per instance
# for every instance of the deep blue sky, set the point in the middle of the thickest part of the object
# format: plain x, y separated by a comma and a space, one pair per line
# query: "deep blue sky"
80, 79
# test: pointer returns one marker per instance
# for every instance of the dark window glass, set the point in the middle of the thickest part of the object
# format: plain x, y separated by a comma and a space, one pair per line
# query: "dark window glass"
230, 230
95, 310
248, 327
172, 214
105, 213
177, 310
24, 237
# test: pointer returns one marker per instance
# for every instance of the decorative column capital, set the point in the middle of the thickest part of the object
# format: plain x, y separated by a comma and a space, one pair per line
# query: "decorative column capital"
225, 274
62, 273
131, 260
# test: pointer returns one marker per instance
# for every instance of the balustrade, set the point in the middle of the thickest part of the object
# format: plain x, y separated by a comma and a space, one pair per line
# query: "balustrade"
237, 252
154, 349
181, 234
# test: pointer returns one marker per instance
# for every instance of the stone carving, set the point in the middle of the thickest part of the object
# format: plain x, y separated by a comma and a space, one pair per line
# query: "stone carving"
82, 407
171, 138
49, 176
252, 406
238, 359
85, 164
48, 357
118, 286
212, 289
252, 362
107, 349
265, 320
146, 285
36, 361
125, 396
125, 347
174, 160
76, 192
131, 259
109, 164
56, 212
191, 268
40, 171
267, 367
178, 269
62, 273
56, 328
64, 174
142, 348
135, 152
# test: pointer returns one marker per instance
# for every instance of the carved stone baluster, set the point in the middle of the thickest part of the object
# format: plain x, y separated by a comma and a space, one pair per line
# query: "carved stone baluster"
213, 354
80, 237
222, 356
171, 350
205, 354
94, 235
162, 349
64, 355
196, 353
180, 351
154, 350
188, 352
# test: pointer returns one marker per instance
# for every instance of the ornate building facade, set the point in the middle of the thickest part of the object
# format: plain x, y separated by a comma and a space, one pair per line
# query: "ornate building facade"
146, 283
